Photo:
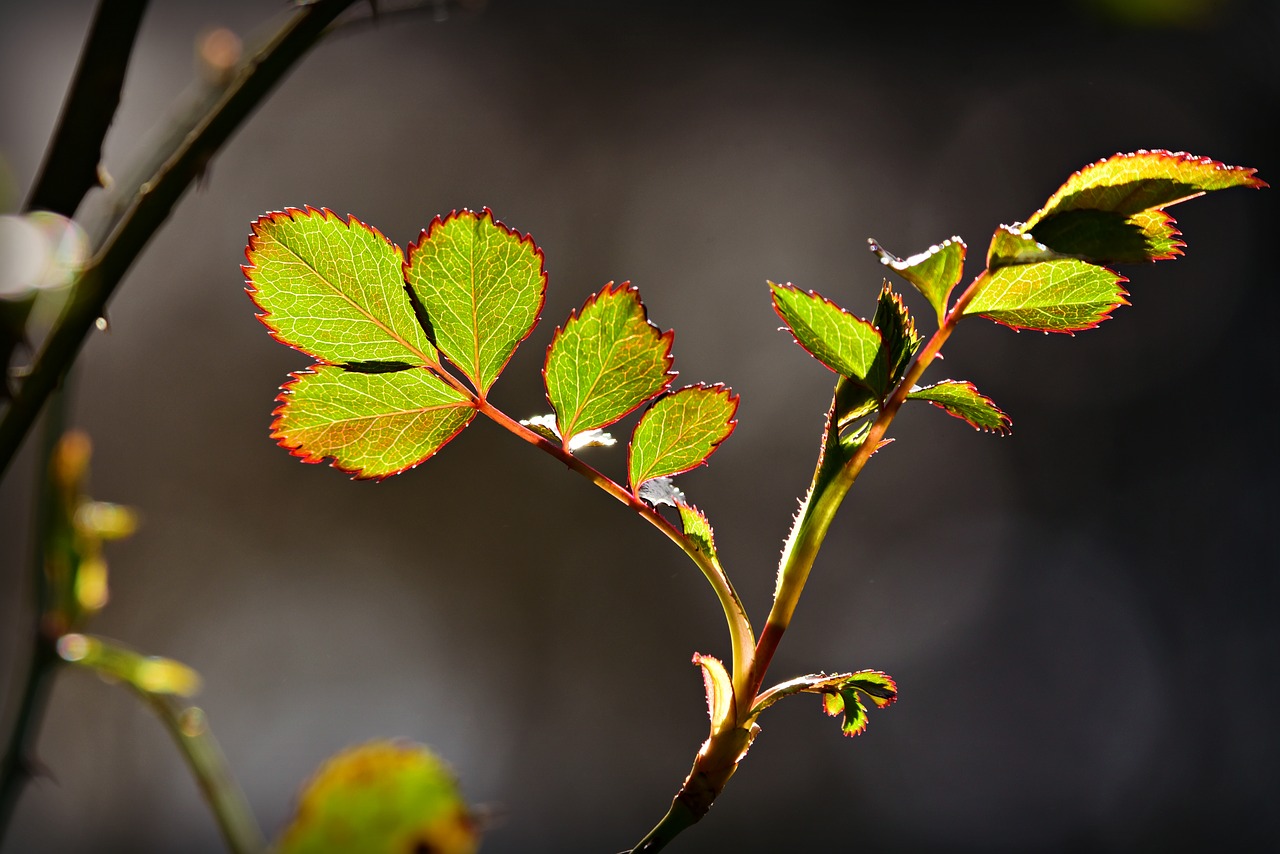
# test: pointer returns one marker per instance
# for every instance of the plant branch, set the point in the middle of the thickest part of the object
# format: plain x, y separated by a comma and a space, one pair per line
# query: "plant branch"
70, 167
831, 485
151, 207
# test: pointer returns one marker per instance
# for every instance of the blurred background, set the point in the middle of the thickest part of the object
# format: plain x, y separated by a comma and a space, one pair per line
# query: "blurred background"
1081, 617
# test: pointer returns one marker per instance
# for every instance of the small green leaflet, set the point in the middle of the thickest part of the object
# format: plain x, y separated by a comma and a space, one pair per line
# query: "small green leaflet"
846, 344
605, 361
372, 425
1009, 246
934, 272
1111, 211
839, 694
900, 342
679, 431
1065, 295
482, 285
698, 529
333, 289
962, 400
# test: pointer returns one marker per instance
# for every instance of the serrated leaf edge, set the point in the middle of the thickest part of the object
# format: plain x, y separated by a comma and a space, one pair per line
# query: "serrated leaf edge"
732, 424
262, 315
1103, 315
787, 326
1005, 420
427, 233
277, 416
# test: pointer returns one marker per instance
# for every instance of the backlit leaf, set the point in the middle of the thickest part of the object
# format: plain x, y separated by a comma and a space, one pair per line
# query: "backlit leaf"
1110, 237
385, 796
840, 693
719, 688
844, 343
661, 490
333, 289
605, 361
1129, 183
899, 342
1009, 246
679, 431
482, 285
962, 400
371, 425
697, 528
1065, 295
934, 272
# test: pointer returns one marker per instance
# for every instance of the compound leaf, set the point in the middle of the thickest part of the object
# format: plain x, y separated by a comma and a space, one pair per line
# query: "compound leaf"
381, 796
482, 286
1129, 183
333, 289
605, 361
846, 344
680, 431
1063, 295
840, 693
371, 425
934, 272
899, 342
963, 400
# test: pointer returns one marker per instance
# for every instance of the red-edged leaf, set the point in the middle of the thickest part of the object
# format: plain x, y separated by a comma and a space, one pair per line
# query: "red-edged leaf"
719, 688
606, 360
698, 529
482, 286
680, 431
371, 425
846, 344
963, 400
934, 272
1065, 295
333, 289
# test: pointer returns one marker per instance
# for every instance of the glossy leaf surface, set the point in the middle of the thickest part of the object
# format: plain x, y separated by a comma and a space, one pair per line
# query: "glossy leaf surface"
680, 431
371, 425
963, 400
333, 289
846, 344
933, 272
605, 361
390, 796
1065, 295
482, 286
1009, 246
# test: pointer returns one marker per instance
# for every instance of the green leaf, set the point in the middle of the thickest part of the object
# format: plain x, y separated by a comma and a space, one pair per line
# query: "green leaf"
607, 360
719, 688
148, 673
680, 431
333, 289
1009, 246
1111, 211
1065, 295
962, 400
899, 342
482, 286
846, 344
1129, 183
372, 425
934, 272
840, 693
382, 796
698, 529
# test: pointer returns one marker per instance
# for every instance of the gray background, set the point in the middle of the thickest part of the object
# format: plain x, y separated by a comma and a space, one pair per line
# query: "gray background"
1081, 617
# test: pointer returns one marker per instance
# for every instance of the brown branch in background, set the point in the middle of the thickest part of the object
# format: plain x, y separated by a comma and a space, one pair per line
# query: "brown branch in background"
70, 167
156, 198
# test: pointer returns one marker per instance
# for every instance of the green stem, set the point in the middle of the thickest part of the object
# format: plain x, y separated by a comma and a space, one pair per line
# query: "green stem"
151, 207
831, 485
208, 764
679, 818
